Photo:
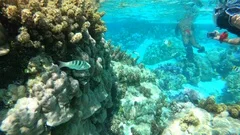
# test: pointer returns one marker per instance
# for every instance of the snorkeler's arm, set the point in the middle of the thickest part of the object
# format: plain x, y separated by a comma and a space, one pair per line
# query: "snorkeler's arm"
232, 41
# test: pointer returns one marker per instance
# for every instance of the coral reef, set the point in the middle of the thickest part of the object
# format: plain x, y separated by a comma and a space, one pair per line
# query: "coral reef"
24, 118
127, 39
39, 34
139, 104
183, 71
231, 89
192, 120
234, 110
189, 120
210, 105
169, 67
49, 102
186, 95
121, 56
53, 27
132, 75
168, 80
12, 94
53, 98
158, 52
222, 60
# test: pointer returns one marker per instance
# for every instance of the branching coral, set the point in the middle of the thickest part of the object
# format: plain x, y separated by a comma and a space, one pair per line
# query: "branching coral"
52, 27
121, 56
54, 20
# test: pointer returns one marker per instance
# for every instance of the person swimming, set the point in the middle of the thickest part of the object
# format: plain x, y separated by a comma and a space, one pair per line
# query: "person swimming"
186, 29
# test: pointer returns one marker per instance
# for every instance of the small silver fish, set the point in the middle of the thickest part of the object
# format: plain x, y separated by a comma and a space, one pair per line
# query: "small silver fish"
75, 64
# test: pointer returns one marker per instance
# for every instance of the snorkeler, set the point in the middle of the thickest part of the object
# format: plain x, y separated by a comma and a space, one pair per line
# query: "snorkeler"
227, 16
186, 29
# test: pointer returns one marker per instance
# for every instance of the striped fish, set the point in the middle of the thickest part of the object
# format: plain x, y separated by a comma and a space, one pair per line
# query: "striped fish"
75, 64
236, 69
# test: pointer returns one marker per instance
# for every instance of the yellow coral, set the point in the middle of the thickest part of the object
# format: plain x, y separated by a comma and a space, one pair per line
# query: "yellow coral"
188, 120
76, 38
26, 15
24, 36
11, 12
46, 22
100, 28
234, 110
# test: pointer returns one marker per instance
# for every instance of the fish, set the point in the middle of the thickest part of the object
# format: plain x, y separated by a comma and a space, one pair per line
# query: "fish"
223, 36
236, 69
168, 43
135, 52
75, 64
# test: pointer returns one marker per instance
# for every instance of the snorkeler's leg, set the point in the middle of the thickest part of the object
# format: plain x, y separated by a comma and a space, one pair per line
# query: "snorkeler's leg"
189, 52
195, 44
188, 48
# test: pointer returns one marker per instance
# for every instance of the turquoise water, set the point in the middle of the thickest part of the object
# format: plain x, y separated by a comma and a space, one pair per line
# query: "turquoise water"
137, 25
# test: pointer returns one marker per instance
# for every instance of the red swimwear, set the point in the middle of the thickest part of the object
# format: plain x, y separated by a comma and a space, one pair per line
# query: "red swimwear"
188, 31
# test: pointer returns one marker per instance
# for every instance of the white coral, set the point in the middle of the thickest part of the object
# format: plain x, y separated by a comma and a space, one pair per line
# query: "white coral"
24, 118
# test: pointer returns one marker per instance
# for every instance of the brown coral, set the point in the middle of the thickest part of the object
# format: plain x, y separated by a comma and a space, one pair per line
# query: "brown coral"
189, 120
234, 111
210, 105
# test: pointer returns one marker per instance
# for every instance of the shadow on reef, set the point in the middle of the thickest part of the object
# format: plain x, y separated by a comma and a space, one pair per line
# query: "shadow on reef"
12, 66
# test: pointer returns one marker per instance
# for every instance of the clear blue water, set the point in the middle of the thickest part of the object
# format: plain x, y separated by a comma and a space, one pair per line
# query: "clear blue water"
136, 24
